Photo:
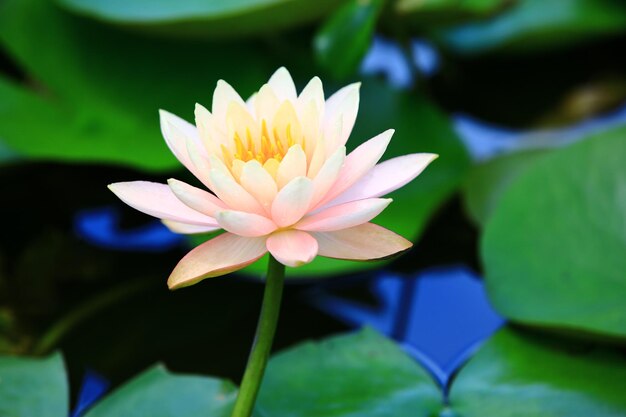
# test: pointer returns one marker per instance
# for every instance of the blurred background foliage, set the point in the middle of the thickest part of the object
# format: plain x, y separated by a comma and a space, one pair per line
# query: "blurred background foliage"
524, 100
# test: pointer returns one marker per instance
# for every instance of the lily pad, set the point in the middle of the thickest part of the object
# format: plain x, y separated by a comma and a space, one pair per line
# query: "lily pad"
431, 13
159, 393
33, 387
360, 374
204, 18
554, 247
485, 183
520, 375
532, 25
96, 90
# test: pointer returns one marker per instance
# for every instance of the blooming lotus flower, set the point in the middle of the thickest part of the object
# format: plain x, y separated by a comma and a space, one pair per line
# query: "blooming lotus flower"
279, 180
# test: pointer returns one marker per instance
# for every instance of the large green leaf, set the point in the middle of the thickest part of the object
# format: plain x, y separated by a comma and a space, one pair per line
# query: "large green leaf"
33, 387
538, 24
517, 375
343, 41
486, 182
204, 18
98, 90
554, 247
420, 127
159, 393
361, 374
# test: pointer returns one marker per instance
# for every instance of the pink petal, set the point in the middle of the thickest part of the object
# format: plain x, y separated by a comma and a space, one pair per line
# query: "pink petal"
292, 202
159, 201
358, 163
328, 174
218, 256
342, 106
282, 84
386, 177
188, 229
361, 243
292, 247
177, 132
343, 216
197, 199
233, 194
245, 224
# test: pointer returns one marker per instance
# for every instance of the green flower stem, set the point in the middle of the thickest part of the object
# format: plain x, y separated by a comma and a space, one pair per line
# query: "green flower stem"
266, 328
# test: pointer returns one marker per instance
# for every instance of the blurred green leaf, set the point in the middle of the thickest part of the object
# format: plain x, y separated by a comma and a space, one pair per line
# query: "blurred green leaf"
345, 38
159, 393
201, 18
420, 127
554, 247
538, 24
523, 376
486, 182
428, 13
360, 374
98, 90
33, 387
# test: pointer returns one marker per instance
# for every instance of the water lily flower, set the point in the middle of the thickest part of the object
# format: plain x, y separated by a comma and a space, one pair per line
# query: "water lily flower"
278, 180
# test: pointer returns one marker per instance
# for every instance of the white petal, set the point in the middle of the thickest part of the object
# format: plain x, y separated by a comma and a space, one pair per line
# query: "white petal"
223, 95
314, 92
293, 165
282, 84
258, 182
233, 194
197, 199
245, 224
343, 105
292, 201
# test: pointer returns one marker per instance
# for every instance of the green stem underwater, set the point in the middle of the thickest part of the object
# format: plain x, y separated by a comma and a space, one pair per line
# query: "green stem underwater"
266, 328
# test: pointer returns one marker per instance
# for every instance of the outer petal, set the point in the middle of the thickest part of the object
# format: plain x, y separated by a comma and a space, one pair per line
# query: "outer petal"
233, 194
358, 163
282, 84
292, 202
343, 216
344, 104
188, 229
245, 224
292, 247
197, 199
159, 201
293, 165
258, 182
386, 177
177, 132
361, 243
219, 256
